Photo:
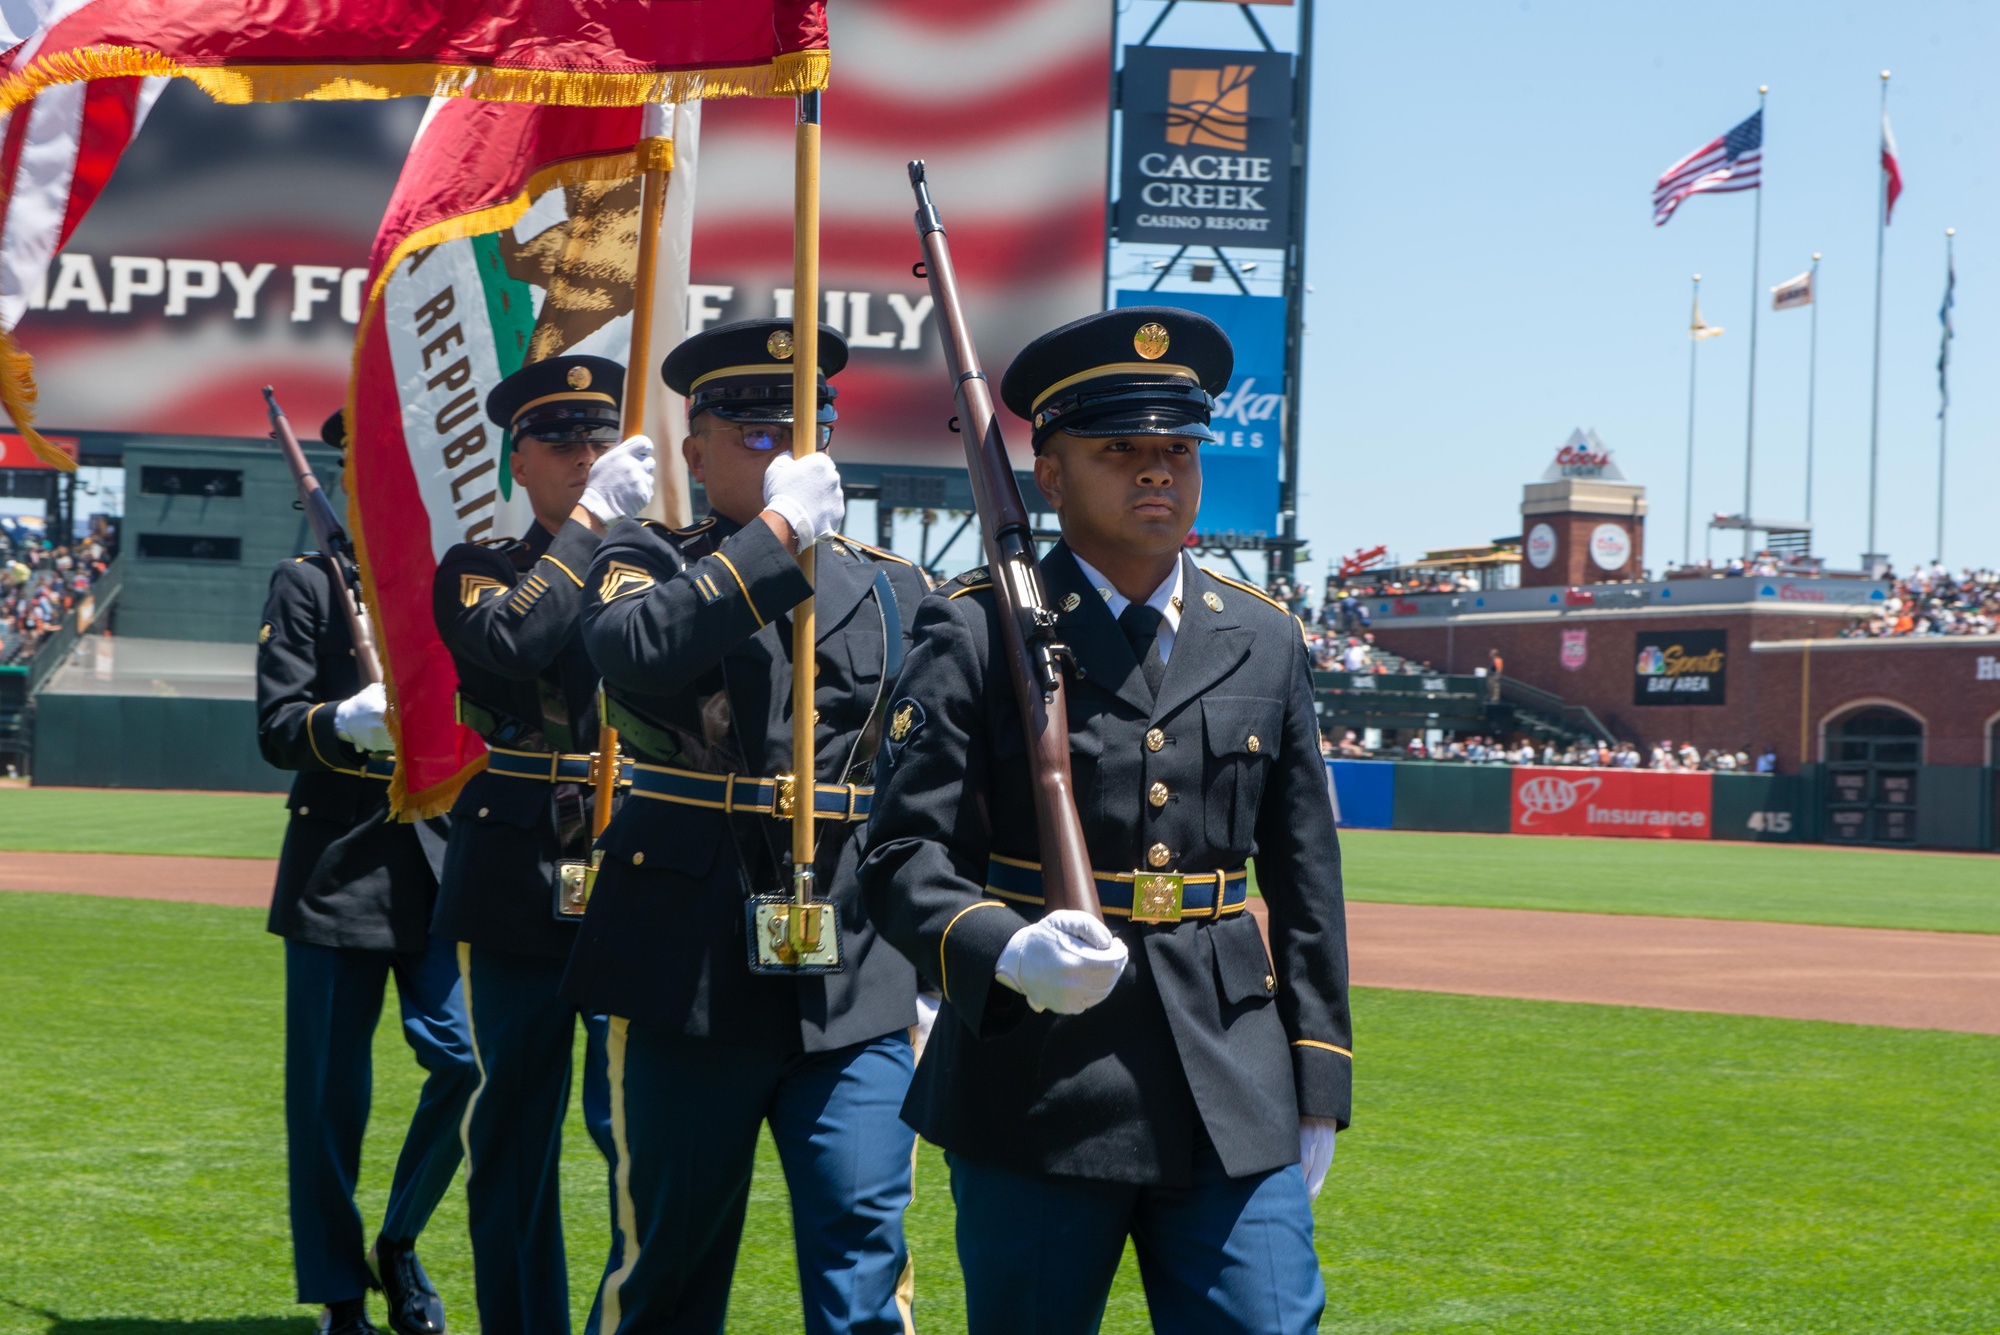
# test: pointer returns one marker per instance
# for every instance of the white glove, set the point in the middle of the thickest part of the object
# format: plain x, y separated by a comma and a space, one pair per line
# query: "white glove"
927, 1013
362, 719
807, 493
1315, 1152
1066, 962
621, 483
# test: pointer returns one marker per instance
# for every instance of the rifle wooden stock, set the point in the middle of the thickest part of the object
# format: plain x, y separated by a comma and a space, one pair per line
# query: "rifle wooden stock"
331, 536
1027, 626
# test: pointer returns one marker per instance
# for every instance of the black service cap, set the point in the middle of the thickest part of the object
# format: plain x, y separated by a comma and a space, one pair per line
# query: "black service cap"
743, 371
563, 398
1136, 371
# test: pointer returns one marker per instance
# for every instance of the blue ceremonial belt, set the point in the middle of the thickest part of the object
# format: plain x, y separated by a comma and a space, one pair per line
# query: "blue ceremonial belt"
1142, 896
547, 766
746, 793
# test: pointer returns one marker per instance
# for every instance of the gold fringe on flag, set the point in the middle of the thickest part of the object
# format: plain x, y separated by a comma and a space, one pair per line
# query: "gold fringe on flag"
786, 75
18, 394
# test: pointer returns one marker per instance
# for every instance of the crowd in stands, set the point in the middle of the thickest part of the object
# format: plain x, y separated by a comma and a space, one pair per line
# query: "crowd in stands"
1479, 750
40, 583
1931, 601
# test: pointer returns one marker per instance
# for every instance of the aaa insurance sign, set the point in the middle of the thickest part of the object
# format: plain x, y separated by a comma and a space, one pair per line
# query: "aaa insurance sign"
1681, 667
1205, 154
1632, 804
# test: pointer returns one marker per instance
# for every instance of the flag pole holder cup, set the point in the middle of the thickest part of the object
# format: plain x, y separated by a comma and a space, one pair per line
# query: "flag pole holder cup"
795, 933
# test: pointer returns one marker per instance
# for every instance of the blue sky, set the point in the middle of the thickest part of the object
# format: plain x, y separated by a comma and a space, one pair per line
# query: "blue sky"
1487, 276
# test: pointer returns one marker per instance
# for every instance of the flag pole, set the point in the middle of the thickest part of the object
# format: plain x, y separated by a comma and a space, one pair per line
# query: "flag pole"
805, 442
1944, 397
1756, 296
1687, 492
1871, 558
652, 150
1812, 384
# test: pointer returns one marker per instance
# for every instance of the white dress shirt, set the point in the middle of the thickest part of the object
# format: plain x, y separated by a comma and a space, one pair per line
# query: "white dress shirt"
1166, 600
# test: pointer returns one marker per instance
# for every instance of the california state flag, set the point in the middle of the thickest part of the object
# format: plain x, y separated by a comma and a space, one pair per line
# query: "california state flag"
512, 237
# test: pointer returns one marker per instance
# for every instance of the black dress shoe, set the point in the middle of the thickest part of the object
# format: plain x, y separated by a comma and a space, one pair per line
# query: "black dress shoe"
348, 1318
414, 1305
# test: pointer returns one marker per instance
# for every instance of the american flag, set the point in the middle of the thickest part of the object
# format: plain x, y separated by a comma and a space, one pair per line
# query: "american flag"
1733, 162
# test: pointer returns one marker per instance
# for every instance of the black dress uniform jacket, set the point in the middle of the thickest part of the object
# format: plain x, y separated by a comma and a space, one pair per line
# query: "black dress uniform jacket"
510, 613
1203, 1024
692, 630
349, 876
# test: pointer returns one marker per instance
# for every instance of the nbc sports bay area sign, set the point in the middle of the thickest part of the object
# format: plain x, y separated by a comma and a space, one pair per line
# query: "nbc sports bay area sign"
1206, 149
1681, 667
1640, 804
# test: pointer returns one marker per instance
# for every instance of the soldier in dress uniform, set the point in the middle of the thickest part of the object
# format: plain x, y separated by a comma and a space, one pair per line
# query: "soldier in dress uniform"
710, 1039
353, 902
1158, 1074
511, 897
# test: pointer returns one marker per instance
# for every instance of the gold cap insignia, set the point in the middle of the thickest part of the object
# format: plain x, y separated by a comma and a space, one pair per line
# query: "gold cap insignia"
579, 377
899, 726
779, 344
1214, 603
1150, 341
1071, 603
622, 578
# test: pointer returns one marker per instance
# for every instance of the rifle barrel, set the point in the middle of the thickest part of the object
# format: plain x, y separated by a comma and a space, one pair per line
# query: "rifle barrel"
1027, 626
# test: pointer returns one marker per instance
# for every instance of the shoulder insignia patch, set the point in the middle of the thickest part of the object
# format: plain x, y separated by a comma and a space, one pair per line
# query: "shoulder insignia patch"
1250, 589
471, 588
622, 578
906, 720
264, 635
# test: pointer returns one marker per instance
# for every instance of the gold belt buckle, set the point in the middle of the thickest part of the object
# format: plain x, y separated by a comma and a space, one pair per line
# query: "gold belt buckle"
784, 801
1156, 896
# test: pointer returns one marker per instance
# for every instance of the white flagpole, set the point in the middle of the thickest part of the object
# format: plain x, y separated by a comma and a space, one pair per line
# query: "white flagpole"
1944, 398
1687, 492
1756, 300
1871, 558
1812, 384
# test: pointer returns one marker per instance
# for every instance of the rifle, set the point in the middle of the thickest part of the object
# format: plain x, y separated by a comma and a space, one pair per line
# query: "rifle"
331, 535
1035, 658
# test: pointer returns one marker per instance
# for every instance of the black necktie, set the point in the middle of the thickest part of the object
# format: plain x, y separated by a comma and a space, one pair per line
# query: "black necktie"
1141, 624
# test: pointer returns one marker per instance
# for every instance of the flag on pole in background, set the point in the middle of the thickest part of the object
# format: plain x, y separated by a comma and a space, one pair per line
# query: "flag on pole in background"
1701, 328
512, 237
1892, 172
1944, 339
1733, 162
580, 53
1793, 293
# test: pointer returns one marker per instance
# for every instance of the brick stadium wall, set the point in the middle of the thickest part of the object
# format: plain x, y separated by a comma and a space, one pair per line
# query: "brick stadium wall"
1768, 690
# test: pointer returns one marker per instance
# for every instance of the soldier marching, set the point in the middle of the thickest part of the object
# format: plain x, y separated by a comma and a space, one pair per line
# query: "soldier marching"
1152, 1072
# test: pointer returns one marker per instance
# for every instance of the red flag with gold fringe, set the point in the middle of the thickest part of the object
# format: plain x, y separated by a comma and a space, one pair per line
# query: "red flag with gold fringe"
572, 53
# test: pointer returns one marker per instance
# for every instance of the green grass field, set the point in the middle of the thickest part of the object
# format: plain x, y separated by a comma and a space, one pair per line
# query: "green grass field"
93, 820
1515, 1166
1763, 882
1768, 882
